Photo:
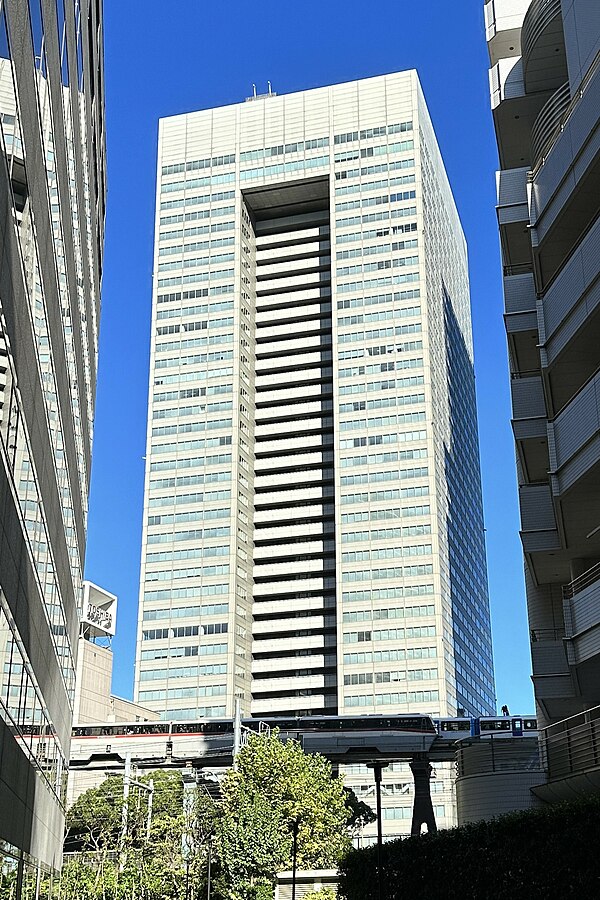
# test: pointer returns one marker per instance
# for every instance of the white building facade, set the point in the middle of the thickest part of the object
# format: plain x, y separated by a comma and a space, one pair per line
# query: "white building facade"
313, 530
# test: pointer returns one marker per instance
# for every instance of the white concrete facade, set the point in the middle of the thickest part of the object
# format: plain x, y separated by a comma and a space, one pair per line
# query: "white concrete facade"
313, 534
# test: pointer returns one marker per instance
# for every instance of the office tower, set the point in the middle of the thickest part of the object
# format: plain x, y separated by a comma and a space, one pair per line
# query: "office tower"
52, 188
313, 538
545, 83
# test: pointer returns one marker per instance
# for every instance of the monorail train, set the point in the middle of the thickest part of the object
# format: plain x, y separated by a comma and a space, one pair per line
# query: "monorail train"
450, 728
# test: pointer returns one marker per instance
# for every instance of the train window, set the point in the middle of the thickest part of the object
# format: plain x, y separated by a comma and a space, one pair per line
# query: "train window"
530, 724
502, 724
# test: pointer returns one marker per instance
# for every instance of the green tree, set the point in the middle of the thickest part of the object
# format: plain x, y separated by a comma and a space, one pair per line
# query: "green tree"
275, 788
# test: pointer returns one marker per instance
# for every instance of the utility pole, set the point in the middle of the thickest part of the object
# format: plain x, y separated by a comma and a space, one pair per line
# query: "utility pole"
295, 825
237, 731
150, 800
125, 810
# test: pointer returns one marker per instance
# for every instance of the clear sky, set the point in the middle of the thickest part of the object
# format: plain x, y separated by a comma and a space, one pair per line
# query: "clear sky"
167, 58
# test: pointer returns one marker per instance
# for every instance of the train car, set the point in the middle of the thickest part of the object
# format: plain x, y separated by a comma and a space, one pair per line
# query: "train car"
507, 726
455, 729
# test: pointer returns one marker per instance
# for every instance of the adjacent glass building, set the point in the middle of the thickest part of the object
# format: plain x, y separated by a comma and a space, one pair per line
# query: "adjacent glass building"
313, 534
52, 190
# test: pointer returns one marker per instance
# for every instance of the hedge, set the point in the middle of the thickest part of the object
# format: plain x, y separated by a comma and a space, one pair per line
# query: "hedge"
540, 853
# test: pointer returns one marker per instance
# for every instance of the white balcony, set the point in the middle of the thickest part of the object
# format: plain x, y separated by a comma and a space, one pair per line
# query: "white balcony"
289, 644
286, 532
290, 663
268, 552
290, 567
503, 20
269, 588
316, 701
266, 516
289, 683
291, 625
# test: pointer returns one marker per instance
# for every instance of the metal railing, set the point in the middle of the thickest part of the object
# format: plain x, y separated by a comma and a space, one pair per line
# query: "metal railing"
546, 634
537, 18
538, 162
549, 120
582, 581
572, 746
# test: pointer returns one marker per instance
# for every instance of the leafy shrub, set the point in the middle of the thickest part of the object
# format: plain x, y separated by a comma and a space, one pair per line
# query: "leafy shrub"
549, 852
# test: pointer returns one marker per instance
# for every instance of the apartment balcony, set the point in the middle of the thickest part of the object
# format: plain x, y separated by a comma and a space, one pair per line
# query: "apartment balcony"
503, 20
571, 322
548, 122
543, 46
539, 532
529, 424
520, 309
575, 441
514, 112
570, 752
565, 183
582, 619
513, 217
552, 676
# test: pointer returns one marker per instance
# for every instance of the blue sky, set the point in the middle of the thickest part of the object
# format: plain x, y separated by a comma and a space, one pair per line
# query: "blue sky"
163, 59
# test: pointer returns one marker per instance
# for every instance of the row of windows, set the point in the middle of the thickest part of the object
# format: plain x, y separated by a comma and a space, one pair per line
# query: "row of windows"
189, 184
392, 494
378, 656
212, 213
205, 590
184, 499
281, 168
390, 572
376, 249
197, 200
379, 150
390, 593
390, 475
195, 230
195, 462
379, 458
182, 446
382, 402
379, 131
384, 421
179, 631
205, 690
389, 384
193, 712
387, 366
372, 299
195, 553
376, 169
388, 700
192, 165
203, 309
191, 393
215, 356
197, 572
405, 812
177, 249
186, 612
405, 312
387, 553
280, 149
385, 534
196, 515
380, 200
389, 634
364, 186
192, 428
194, 342
183, 672
177, 652
377, 266
384, 281
202, 375
391, 677
386, 350
398, 612
196, 262
376, 440
382, 216
186, 481
370, 234
199, 534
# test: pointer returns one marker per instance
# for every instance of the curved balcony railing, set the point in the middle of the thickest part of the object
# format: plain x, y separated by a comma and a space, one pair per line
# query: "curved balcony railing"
537, 18
549, 121
579, 584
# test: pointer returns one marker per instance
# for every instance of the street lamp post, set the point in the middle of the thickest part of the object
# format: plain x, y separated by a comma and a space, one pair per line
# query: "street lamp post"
377, 768
295, 824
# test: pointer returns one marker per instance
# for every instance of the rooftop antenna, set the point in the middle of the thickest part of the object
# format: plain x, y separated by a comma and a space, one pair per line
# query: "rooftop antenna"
269, 87
254, 91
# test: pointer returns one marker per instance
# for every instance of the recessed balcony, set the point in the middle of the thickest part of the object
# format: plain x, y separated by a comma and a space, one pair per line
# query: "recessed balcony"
581, 605
570, 751
538, 522
548, 123
543, 46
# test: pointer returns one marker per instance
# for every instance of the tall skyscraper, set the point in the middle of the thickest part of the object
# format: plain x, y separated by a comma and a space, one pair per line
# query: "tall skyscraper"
313, 535
52, 190
545, 83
